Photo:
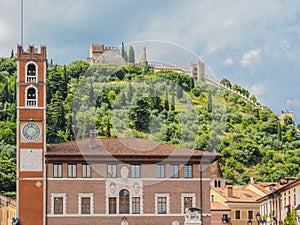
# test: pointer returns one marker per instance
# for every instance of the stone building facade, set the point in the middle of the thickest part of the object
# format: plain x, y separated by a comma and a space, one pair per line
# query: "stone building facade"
137, 180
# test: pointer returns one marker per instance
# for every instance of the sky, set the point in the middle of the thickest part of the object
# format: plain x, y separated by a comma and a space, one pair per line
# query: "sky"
255, 44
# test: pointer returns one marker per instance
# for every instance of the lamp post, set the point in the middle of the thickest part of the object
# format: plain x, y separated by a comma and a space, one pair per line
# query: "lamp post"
257, 218
298, 213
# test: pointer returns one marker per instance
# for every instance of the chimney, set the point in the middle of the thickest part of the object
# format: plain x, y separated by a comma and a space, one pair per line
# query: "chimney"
252, 180
93, 135
229, 191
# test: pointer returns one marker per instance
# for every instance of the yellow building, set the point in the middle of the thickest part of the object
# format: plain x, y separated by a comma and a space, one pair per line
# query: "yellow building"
241, 202
7, 210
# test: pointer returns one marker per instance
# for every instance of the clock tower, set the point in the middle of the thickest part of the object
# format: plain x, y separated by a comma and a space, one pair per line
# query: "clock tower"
31, 135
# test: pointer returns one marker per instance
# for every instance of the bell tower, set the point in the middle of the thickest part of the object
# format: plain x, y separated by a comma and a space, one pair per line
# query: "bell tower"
31, 135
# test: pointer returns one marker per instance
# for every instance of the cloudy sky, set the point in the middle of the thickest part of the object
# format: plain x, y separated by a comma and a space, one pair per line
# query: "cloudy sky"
255, 44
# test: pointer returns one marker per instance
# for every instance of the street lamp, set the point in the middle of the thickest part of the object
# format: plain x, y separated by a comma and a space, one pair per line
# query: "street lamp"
249, 222
257, 217
298, 213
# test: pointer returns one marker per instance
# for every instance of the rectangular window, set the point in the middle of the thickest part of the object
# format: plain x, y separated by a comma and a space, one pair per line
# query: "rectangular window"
250, 215
187, 202
86, 170
85, 205
57, 170
160, 171
72, 170
162, 205
111, 170
112, 205
135, 171
174, 170
58, 205
188, 171
136, 205
237, 214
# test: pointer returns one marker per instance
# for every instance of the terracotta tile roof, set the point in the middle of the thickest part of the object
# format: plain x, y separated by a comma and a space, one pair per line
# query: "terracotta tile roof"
123, 147
239, 194
265, 186
217, 206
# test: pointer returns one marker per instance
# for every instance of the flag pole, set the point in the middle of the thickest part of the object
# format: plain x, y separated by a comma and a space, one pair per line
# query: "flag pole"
22, 21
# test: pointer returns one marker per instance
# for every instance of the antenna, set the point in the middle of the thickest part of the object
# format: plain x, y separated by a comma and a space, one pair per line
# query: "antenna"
22, 21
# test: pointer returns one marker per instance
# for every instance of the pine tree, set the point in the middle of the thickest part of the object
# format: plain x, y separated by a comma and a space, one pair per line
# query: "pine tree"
131, 55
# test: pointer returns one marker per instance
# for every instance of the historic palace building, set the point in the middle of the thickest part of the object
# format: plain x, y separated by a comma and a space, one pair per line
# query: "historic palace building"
100, 180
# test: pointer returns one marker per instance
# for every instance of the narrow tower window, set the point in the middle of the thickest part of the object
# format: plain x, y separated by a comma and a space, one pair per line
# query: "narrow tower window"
31, 73
31, 97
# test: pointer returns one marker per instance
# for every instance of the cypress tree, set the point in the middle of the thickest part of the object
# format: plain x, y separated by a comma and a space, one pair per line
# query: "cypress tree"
131, 55
123, 51
209, 101
173, 98
279, 132
166, 99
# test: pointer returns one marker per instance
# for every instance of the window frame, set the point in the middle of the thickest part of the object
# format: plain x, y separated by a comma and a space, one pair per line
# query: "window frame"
135, 171
58, 195
57, 170
174, 171
250, 214
112, 167
115, 203
72, 170
136, 205
237, 214
157, 197
35, 100
187, 195
86, 170
36, 73
188, 171
160, 171
124, 202
85, 195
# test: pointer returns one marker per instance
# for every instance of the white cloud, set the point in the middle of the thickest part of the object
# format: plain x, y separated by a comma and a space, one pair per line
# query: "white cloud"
228, 61
227, 23
257, 90
249, 56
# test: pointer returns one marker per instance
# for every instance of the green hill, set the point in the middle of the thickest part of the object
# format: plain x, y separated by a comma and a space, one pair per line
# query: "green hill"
134, 101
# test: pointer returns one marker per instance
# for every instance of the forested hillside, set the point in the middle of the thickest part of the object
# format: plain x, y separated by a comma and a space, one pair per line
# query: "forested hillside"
133, 101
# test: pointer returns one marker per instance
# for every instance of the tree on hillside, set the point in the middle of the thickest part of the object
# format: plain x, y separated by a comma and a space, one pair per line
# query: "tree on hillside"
131, 58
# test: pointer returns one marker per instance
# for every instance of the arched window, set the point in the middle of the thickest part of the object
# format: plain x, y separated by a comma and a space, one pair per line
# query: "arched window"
31, 96
124, 202
216, 183
31, 73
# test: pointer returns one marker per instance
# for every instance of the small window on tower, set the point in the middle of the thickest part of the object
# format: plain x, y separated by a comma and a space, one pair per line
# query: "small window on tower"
31, 97
31, 73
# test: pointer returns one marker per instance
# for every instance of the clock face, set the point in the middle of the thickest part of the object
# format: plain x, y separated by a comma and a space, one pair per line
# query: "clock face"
31, 131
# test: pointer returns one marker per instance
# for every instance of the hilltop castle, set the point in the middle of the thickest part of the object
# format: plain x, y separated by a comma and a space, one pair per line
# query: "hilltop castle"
111, 55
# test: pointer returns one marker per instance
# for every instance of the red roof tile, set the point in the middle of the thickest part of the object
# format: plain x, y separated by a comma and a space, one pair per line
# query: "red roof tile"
123, 147
217, 206
239, 194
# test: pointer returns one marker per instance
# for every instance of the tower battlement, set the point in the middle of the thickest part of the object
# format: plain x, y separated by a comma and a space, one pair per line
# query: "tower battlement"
32, 52
100, 53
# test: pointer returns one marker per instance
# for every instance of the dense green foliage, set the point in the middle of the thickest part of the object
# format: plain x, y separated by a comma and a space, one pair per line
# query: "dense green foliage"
133, 101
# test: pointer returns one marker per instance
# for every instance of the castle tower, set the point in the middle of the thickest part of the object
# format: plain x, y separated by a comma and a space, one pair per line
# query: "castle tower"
198, 70
31, 135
